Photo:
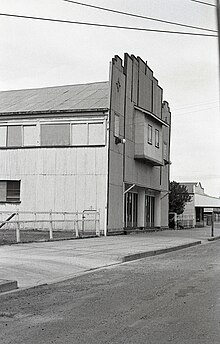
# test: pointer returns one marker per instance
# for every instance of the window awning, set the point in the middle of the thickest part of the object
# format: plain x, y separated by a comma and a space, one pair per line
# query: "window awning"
156, 118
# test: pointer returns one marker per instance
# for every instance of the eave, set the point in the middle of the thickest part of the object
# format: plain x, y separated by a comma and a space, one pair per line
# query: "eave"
145, 159
156, 118
51, 113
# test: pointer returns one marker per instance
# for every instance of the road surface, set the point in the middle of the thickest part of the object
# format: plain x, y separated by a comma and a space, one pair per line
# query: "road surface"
171, 298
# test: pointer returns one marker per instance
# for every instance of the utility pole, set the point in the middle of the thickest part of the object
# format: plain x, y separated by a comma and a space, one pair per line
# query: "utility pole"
212, 228
218, 26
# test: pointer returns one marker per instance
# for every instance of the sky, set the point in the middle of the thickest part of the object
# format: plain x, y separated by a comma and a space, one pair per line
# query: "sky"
38, 54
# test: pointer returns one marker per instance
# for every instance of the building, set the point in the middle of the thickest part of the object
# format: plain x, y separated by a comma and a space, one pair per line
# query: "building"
198, 211
102, 146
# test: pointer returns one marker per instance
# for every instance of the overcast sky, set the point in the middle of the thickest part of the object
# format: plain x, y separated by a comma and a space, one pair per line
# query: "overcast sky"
38, 54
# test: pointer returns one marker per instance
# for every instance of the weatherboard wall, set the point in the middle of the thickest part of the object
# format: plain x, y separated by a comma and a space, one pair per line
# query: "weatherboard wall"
58, 179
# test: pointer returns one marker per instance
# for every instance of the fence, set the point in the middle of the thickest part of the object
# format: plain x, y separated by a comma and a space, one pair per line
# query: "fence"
185, 221
34, 226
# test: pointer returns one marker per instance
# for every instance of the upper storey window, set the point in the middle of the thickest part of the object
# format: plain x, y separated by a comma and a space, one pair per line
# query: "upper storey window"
29, 135
53, 134
96, 133
157, 138
18, 136
88, 134
79, 134
14, 136
150, 134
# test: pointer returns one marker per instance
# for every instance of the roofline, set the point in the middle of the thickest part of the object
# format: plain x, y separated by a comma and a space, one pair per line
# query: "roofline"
45, 112
205, 195
55, 86
189, 183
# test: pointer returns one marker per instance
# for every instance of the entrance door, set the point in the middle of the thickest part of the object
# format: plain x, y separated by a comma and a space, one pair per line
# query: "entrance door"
149, 211
199, 216
131, 201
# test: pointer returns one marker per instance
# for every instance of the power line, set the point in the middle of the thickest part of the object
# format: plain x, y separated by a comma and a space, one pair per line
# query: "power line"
203, 3
106, 25
200, 110
137, 15
195, 105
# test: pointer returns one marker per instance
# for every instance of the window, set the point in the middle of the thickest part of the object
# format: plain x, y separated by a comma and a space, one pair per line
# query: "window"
55, 135
75, 133
14, 136
84, 134
131, 209
79, 134
149, 211
96, 134
29, 135
117, 125
3, 135
10, 191
149, 134
18, 135
157, 138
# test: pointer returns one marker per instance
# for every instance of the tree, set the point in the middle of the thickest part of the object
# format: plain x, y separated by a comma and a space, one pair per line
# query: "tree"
178, 197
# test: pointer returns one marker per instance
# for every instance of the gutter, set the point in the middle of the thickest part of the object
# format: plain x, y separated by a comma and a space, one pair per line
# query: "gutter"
66, 112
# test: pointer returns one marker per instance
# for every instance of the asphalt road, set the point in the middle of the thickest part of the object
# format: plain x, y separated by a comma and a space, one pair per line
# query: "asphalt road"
171, 298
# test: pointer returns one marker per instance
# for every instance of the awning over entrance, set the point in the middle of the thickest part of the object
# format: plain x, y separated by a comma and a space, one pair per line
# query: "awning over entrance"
205, 201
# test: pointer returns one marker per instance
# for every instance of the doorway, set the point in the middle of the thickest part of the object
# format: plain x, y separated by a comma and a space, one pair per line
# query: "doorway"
149, 211
131, 205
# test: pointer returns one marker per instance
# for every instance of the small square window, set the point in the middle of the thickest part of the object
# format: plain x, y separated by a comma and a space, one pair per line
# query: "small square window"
13, 191
149, 134
10, 191
157, 138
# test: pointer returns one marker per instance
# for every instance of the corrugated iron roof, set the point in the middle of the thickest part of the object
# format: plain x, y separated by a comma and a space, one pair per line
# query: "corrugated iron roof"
58, 98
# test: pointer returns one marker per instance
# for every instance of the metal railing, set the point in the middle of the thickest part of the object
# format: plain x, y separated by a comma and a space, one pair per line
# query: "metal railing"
55, 224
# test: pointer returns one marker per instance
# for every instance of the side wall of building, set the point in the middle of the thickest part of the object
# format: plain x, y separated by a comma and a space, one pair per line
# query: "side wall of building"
189, 211
115, 171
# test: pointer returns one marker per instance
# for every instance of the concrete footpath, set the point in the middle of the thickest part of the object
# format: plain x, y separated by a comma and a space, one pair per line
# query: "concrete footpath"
40, 263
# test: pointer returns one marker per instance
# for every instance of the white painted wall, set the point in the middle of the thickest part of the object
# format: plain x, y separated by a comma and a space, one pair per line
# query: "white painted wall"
57, 179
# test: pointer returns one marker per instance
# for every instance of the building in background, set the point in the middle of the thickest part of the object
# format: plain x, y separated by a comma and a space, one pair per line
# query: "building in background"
199, 210
101, 146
